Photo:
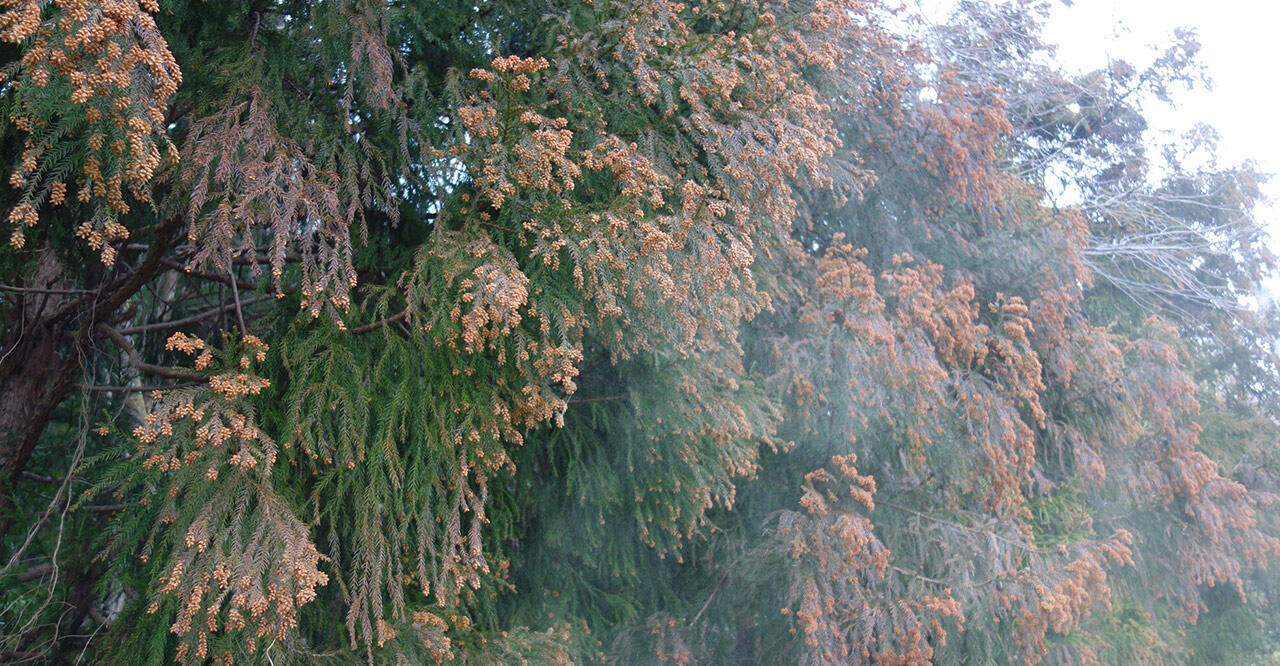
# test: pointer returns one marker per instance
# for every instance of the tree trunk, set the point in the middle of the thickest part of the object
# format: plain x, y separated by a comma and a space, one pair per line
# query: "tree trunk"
34, 378
40, 362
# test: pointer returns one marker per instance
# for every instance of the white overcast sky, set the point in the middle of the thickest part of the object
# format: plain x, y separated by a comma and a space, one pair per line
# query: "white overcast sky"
1240, 48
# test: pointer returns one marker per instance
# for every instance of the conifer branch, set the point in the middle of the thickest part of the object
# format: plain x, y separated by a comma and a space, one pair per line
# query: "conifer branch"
235, 296
35, 290
944, 521
373, 326
603, 398
146, 270
136, 360
212, 277
177, 323
136, 389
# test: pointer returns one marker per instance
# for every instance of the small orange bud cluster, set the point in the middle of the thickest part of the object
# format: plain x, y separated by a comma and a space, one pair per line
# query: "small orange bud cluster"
121, 76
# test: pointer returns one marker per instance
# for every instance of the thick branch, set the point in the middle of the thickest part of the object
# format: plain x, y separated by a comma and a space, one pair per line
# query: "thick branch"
150, 266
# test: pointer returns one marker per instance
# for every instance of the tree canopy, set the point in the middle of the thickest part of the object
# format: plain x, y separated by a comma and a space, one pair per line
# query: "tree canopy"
621, 332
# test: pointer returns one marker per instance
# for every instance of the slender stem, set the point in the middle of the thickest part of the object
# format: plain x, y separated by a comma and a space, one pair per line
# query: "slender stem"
136, 389
368, 328
34, 290
235, 295
143, 328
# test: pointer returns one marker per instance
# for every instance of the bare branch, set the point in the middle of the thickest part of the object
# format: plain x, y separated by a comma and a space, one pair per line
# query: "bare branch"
176, 323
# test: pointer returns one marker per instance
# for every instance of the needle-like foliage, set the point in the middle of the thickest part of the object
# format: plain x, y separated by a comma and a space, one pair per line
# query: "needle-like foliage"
630, 331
